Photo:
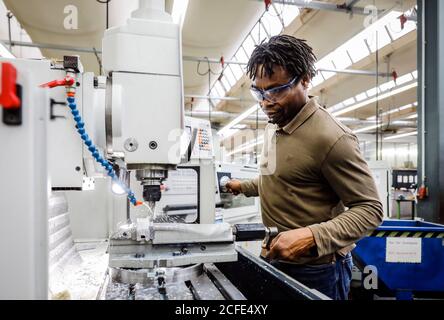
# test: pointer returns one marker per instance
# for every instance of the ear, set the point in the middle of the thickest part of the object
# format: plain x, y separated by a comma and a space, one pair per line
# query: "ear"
305, 81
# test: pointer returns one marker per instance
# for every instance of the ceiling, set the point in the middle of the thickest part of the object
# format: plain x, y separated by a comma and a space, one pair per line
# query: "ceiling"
214, 28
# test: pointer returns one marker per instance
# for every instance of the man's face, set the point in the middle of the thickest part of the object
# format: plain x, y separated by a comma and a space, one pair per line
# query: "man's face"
282, 111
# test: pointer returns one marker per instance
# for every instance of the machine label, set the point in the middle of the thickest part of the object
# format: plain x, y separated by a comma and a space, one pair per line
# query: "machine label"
403, 250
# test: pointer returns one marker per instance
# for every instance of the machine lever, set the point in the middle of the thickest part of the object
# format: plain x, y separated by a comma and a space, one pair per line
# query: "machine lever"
254, 231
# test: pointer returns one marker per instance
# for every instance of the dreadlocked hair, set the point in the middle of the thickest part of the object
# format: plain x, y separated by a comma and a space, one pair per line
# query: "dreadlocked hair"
291, 53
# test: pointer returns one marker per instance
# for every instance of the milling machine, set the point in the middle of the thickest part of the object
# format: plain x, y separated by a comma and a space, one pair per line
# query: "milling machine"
143, 132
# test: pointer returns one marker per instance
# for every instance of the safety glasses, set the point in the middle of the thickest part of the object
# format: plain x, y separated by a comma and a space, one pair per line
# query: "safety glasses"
274, 94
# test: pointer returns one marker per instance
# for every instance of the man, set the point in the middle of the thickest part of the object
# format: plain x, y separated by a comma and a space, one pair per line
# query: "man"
310, 168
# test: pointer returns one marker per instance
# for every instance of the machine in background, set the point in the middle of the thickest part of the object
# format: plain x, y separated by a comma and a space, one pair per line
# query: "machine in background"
236, 209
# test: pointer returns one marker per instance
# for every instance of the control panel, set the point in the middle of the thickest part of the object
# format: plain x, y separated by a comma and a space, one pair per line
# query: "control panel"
201, 138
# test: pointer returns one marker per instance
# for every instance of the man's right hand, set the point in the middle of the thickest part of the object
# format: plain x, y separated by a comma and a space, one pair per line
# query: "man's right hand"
234, 186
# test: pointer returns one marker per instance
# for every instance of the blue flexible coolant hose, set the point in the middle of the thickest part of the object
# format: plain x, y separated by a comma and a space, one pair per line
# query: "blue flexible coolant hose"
95, 152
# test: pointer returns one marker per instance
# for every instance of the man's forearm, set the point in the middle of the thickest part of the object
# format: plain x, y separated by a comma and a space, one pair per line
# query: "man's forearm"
346, 228
250, 188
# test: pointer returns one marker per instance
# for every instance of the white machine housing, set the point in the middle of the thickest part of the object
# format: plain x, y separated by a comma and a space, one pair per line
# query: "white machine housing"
24, 194
142, 60
66, 154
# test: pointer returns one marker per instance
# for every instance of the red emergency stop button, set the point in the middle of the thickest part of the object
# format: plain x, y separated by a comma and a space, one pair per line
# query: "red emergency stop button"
8, 94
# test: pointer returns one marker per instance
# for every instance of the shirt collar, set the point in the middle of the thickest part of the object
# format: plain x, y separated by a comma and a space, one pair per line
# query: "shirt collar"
310, 107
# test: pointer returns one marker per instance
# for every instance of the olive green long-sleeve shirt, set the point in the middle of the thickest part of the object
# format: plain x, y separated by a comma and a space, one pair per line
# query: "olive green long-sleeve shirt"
309, 170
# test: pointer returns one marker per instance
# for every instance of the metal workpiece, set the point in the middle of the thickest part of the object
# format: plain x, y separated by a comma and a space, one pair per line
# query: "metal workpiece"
144, 229
131, 254
147, 245
169, 233
174, 233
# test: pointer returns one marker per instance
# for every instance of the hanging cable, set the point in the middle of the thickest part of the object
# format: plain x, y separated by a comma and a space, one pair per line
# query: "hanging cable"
208, 73
209, 70
9, 15
99, 61
106, 2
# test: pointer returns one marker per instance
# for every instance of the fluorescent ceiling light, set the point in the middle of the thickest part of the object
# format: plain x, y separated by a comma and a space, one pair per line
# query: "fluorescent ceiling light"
355, 49
367, 128
4, 52
402, 135
225, 131
247, 145
179, 11
374, 99
408, 106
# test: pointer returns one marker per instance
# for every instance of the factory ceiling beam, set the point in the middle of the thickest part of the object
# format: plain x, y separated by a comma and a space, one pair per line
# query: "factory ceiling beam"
320, 5
199, 97
185, 58
222, 115
357, 72
212, 60
351, 3
50, 46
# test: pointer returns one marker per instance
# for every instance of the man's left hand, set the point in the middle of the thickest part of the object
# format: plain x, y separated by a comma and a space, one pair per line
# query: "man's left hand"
291, 244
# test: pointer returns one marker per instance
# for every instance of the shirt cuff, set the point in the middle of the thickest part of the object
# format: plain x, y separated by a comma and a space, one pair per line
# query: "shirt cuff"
248, 189
316, 229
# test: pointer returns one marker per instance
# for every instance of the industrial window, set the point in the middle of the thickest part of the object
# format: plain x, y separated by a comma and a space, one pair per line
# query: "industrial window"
357, 49
287, 12
248, 45
395, 30
264, 34
255, 33
372, 92
317, 80
380, 37
349, 101
272, 22
225, 83
387, 86
217, 92
404, 79
341, 58
241, 55
230, 76
220, 88
360, 97
237, 71
336, 107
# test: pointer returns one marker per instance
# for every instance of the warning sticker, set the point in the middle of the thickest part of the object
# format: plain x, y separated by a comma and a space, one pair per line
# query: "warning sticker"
403, 250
